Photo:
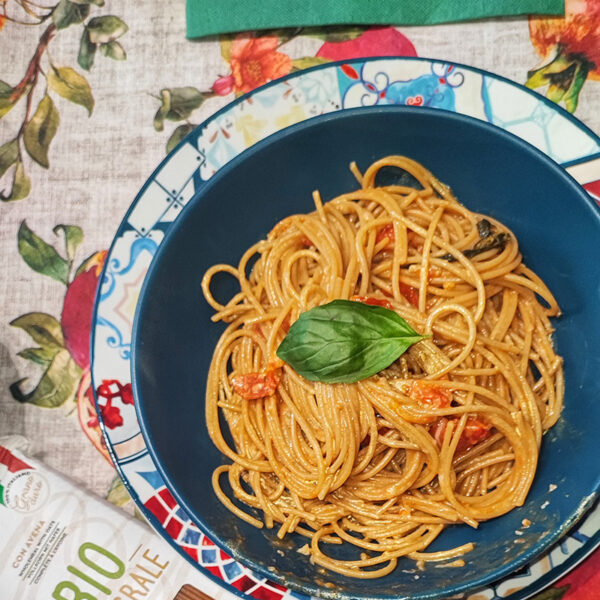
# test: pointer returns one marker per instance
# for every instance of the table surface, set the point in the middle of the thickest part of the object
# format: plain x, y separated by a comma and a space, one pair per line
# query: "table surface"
87, 86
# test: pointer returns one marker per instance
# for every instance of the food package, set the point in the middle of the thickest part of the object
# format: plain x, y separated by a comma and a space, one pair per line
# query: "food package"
60, 542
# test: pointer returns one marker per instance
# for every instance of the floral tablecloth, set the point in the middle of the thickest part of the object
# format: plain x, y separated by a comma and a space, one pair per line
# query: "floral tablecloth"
93, 93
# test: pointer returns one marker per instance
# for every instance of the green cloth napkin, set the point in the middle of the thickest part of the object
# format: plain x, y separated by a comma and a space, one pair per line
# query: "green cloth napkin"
210, 17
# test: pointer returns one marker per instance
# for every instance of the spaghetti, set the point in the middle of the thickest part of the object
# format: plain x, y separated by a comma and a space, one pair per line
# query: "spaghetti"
449, 433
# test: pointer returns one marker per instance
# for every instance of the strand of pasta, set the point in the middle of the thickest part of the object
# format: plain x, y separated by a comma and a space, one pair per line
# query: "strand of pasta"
367, 464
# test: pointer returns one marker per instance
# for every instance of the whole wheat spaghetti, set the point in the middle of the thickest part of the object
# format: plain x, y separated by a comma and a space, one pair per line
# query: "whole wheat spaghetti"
448, 434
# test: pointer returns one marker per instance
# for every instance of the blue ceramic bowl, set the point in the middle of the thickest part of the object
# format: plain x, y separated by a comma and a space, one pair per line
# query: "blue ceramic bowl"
490, 171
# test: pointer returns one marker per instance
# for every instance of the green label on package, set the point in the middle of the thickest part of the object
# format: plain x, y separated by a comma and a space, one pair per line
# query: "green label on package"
60, 542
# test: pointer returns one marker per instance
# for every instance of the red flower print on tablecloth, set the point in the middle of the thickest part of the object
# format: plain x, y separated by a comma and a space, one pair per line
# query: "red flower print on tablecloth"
78, 305
255, 61
377, 41
570, 51
223, 85
583, 583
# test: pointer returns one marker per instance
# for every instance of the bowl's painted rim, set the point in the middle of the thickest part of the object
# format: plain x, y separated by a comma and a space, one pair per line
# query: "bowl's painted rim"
590, 543
486, 129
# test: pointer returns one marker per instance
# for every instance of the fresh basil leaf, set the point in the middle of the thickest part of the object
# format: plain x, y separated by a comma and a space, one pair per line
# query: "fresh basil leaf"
497, 241
345, 341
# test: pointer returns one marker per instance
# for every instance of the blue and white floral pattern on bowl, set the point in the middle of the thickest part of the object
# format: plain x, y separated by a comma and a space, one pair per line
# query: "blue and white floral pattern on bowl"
300, 96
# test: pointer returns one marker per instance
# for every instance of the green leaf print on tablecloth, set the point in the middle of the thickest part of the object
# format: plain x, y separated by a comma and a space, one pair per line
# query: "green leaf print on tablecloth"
39, 125
253, 60
103, 30
61, 346
40, 131
43, 329
177, 104
40, 256
57, 385
73, 237
69, 84
570, 51
177, 135
9, 155
101, 33
21, 184
69, 13
552, 594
